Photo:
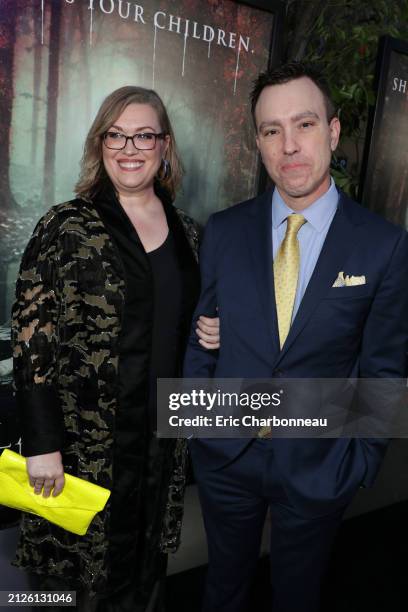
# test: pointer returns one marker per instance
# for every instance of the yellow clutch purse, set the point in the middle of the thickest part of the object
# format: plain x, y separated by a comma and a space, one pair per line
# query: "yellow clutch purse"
72, 510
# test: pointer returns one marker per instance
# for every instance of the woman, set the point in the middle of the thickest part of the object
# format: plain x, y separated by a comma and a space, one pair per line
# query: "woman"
103, 306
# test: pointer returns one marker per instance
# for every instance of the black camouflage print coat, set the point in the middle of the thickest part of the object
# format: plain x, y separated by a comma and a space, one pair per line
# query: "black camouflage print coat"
66, 324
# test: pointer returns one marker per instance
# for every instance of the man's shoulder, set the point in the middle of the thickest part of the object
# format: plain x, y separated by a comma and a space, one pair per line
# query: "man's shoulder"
241, 210
374, 223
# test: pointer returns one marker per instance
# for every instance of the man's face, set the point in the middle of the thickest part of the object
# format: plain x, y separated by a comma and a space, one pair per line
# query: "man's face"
295, 140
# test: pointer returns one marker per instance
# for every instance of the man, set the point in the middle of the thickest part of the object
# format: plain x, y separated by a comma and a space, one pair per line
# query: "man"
279, 267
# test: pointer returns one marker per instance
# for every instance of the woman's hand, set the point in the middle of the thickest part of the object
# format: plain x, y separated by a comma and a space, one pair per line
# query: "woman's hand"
46, 472
208, 332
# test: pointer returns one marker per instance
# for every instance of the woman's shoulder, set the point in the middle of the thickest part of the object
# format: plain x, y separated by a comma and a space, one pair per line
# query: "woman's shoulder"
191, 229
71, 216
75, 209
188, 221
66, 216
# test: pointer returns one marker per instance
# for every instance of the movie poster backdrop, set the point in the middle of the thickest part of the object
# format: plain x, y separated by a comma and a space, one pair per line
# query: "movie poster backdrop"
60, 58
385, 185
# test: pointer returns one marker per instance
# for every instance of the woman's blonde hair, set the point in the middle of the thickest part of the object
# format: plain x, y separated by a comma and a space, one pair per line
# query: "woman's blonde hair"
93, 174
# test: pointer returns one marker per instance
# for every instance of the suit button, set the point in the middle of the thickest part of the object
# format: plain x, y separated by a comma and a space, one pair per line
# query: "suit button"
277, 373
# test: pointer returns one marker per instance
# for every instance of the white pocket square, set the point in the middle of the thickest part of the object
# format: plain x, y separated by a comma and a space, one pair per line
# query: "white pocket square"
343, 280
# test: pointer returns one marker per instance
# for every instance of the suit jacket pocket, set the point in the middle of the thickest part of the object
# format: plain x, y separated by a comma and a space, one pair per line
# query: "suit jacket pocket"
356, 291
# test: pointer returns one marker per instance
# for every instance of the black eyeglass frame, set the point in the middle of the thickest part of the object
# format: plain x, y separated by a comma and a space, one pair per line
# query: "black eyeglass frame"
159, 135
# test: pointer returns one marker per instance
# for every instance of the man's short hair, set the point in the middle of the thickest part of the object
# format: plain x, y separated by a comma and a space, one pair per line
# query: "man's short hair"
290, 72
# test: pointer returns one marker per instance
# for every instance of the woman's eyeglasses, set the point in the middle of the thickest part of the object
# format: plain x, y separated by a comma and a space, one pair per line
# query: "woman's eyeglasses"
144, 141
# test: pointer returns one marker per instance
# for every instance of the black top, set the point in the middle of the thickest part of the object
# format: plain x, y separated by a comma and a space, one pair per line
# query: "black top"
160, 294
167, 317
136, 328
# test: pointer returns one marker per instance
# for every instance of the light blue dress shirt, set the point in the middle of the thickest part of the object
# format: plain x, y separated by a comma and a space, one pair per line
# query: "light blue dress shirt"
311, 235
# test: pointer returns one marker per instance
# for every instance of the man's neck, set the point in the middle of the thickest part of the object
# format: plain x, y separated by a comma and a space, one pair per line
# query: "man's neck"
300, 203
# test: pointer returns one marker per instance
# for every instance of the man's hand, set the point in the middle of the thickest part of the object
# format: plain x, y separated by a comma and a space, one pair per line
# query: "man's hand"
208, 332
46, 473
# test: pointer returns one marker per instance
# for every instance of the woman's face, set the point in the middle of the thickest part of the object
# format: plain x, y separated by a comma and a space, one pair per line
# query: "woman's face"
131, 170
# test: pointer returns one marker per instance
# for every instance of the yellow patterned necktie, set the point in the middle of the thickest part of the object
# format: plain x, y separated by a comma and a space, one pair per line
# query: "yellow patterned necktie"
286, 273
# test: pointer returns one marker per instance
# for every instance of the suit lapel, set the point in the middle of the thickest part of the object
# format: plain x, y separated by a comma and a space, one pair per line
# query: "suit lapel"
339, 242
259, 234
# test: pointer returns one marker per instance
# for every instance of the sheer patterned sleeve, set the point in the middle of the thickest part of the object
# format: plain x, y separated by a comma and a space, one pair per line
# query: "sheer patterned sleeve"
35, 341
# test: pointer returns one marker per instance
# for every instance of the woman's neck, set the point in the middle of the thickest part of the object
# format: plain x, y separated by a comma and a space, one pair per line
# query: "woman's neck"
143, 202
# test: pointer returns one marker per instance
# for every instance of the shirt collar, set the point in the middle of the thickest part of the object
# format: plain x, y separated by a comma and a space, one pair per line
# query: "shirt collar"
317, 214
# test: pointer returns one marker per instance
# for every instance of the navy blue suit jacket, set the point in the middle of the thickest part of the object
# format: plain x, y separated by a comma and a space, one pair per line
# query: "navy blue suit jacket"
337, 333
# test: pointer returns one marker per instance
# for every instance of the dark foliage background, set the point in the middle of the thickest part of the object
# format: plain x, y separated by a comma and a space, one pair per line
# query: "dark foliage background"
343, 35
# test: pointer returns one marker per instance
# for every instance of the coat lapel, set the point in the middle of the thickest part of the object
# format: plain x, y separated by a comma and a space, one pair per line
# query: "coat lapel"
259, 235
340, 241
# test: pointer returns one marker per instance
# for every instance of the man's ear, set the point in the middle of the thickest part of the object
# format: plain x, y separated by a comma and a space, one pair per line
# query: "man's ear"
335, 129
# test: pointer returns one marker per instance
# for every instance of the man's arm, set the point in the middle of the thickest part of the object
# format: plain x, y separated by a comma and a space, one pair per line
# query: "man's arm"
384, 343
200, 362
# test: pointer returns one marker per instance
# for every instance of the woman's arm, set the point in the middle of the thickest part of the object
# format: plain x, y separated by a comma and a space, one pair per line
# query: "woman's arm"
35, 347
